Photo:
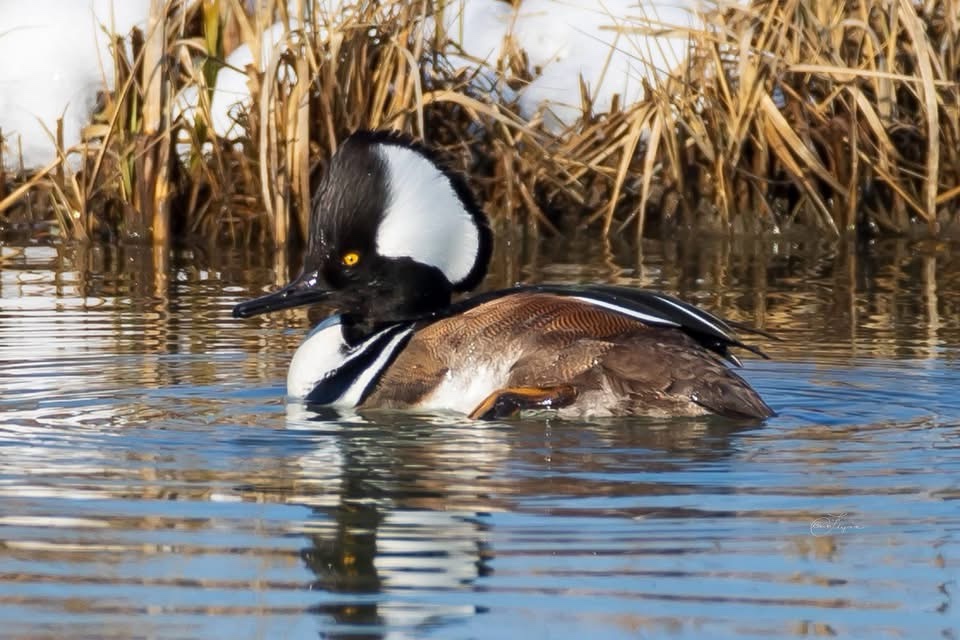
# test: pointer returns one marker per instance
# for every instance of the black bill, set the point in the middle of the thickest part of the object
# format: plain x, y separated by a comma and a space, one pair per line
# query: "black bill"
300, 292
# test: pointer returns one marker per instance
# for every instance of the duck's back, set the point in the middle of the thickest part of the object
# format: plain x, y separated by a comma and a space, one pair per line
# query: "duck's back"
617, 364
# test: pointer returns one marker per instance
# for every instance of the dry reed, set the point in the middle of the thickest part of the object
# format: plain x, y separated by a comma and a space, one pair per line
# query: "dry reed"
829, 115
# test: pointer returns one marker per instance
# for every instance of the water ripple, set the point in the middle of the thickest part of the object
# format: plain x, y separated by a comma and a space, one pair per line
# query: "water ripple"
153, 483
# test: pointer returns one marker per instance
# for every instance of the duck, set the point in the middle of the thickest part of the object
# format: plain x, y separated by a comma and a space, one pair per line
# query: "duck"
396, 240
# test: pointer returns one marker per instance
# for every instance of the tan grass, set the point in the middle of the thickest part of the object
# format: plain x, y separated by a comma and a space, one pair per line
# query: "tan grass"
831, 115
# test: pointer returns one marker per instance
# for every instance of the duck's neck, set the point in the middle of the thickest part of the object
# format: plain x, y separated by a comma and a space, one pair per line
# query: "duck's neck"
413, 294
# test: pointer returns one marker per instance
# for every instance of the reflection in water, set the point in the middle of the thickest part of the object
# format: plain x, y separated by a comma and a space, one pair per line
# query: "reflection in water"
394, 520
152, 483
415, 503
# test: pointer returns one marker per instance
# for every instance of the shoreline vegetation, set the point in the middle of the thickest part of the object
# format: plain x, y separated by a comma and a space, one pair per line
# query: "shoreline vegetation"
836, 117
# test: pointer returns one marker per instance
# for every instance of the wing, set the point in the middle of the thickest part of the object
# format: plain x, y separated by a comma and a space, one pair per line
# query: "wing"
651, 308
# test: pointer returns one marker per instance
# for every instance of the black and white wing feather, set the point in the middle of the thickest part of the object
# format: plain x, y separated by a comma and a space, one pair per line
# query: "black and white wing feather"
659, 309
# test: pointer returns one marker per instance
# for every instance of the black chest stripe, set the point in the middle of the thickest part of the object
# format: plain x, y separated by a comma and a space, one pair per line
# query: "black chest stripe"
335, 384
397, 348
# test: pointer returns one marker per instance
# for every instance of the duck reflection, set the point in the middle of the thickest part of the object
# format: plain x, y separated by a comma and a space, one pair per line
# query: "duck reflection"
408, 539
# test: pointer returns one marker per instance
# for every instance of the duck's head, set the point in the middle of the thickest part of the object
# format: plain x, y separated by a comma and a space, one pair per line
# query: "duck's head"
393, 234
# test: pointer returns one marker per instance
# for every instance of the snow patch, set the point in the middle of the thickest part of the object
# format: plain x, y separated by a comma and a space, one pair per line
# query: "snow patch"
54, 59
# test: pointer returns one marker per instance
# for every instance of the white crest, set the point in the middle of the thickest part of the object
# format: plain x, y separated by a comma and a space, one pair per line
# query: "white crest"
425, 219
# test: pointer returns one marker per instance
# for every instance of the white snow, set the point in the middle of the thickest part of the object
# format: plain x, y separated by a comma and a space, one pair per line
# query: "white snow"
231, 96
54, 58
614, 45
602, 41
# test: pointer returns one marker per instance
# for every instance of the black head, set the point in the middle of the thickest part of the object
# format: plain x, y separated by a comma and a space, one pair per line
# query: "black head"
393, 234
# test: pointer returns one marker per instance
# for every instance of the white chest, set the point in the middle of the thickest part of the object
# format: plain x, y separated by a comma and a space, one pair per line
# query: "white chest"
327, 370
321, 353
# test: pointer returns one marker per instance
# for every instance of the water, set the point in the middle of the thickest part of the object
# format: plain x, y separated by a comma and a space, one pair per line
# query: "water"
153, 484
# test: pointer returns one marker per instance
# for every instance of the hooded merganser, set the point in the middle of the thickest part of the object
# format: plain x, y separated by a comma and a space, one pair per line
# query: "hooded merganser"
394, 234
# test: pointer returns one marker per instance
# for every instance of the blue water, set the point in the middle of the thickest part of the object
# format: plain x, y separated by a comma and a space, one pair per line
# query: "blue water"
154, 484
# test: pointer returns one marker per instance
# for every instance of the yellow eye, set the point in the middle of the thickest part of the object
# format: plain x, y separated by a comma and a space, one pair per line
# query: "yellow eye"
351, 258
